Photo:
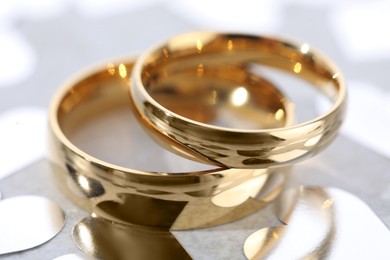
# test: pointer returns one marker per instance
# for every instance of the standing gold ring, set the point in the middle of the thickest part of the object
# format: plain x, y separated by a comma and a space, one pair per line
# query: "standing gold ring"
160, 200
235, 147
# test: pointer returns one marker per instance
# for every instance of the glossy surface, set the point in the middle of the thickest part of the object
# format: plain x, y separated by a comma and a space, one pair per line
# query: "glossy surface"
235, 147
223, 95
322, 223
27, 222
107, 240
159, 200
75, 257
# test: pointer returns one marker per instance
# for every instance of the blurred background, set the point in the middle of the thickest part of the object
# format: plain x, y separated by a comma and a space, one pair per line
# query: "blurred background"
44, 42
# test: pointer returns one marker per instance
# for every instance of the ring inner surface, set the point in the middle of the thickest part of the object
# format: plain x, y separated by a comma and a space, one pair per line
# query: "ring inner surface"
193, 60
90, 97
228, 96
95, 115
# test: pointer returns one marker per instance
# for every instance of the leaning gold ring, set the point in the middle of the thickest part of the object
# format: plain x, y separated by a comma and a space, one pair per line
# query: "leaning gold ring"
161, 200
236, 147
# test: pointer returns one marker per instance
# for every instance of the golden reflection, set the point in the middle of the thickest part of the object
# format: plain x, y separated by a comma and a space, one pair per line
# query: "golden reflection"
293, 56
106, 240
308, 234
327, 203
203, 93
226, 150
336, 75
84, 183
111, 68
199, 45
239, 96
165, 51
305, 48
230, 45
200, 70
241, 193
162, 195
85, 236
297, 67
122, 70
290, 155
214, 96
279, 115
313, 141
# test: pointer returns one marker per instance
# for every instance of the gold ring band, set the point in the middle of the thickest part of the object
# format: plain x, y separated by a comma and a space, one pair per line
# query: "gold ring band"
233, 147
160, 200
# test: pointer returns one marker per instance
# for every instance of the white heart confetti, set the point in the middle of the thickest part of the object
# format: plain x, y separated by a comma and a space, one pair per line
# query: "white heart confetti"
27, 222
323, 223
22, 138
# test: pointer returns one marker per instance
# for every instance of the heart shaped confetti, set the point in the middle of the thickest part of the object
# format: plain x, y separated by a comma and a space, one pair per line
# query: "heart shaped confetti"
23, 138
322, 223
27, 222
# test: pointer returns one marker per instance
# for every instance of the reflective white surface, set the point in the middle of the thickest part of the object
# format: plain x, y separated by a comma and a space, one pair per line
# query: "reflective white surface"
323, 223
22, 137
28, 221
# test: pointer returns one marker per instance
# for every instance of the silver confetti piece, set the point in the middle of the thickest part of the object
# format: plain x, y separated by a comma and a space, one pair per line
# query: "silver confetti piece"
322, 223
27, 222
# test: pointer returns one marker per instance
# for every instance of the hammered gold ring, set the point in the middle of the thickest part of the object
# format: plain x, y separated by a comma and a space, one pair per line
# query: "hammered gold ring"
161, 200
235, 147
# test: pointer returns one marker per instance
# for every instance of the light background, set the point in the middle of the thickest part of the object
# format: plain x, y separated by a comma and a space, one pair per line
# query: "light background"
43, 43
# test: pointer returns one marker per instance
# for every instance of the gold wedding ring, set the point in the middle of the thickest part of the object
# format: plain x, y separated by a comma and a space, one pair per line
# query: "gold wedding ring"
160, 200
235, 147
